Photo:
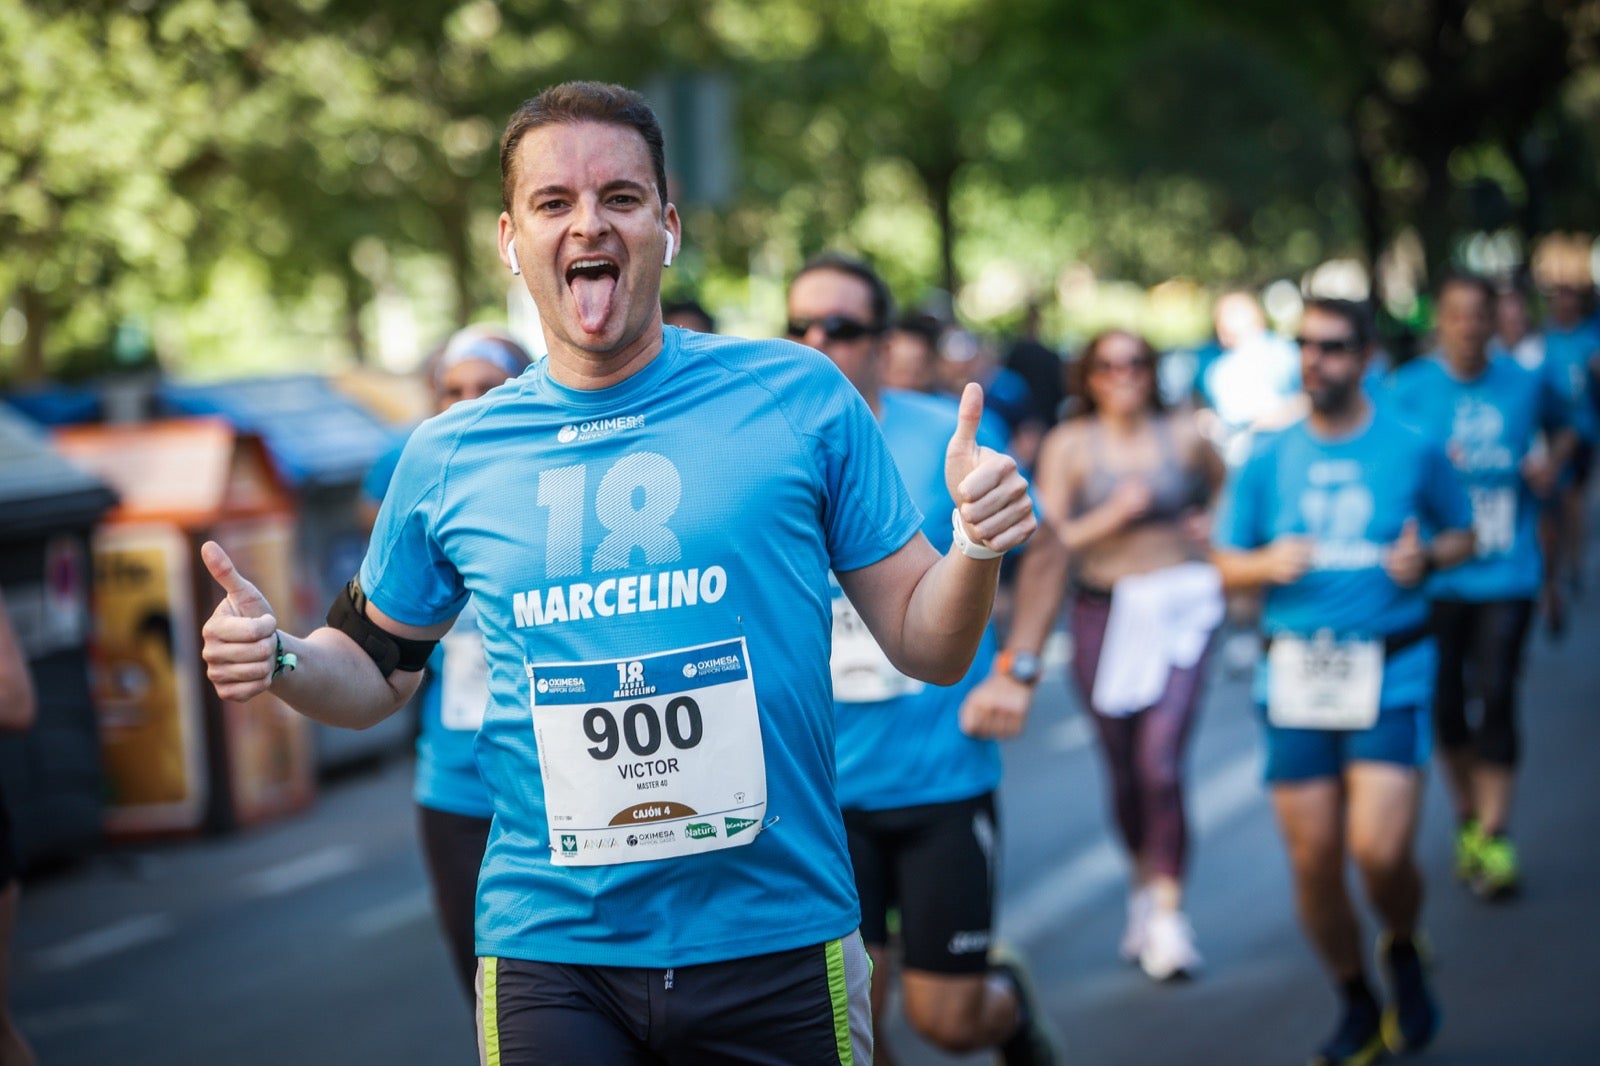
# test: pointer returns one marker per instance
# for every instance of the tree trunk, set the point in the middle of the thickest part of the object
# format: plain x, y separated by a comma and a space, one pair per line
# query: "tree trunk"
454, 222
36, 316
939, 191
1369, 205
1434, 221
355, 292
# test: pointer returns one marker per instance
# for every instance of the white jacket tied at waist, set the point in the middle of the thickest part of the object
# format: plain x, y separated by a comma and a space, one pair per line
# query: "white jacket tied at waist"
1159, 622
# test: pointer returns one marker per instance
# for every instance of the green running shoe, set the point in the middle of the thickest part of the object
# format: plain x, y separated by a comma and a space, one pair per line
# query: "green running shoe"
1498, 876
1468, 841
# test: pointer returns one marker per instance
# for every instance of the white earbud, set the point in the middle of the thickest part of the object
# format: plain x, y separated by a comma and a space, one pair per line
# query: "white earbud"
511, 254
670, 249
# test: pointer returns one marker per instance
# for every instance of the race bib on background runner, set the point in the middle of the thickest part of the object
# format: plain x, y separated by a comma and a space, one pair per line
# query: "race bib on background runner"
464, 680
1494, 519
861, 672
1323, 683
654, 757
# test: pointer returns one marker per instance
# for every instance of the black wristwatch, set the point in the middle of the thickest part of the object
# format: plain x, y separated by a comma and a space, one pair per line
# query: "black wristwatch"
1023, 666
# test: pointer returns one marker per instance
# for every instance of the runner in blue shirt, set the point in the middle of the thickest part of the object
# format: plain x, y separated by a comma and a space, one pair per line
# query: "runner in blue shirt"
1338, 518
918, 793
1572, 351
645, 523
1488, 414
453, 809
1515, 338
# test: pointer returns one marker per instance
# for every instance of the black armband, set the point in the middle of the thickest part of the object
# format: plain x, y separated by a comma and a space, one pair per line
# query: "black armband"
349, 616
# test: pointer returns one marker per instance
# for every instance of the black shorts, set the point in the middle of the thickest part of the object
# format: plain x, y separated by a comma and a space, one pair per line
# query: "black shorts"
1582, 463
10, 866
937, 864
805, 1007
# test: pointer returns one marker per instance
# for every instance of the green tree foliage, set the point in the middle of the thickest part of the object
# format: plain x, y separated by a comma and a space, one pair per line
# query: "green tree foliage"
322, 149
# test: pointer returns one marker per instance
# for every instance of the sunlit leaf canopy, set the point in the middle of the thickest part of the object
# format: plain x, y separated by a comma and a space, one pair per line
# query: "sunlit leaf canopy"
284, 184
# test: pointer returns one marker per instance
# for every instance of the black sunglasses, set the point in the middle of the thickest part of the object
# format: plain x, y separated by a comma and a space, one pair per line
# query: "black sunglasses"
834, 328
1329, 347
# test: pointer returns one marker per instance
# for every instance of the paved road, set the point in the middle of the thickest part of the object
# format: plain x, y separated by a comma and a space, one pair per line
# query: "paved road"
310, 941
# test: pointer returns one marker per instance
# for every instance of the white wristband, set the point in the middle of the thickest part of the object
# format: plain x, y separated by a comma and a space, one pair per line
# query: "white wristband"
964, 544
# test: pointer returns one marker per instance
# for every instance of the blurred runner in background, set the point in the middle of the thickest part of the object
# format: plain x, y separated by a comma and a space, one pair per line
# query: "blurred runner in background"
453, 808
1339, 518
1488, 414
1127, 488
917, 791
18, 707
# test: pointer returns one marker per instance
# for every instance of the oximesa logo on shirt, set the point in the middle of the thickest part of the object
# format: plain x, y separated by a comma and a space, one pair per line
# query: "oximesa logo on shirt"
574, 432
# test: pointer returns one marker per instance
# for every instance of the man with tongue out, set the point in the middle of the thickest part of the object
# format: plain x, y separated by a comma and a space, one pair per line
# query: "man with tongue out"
645, 524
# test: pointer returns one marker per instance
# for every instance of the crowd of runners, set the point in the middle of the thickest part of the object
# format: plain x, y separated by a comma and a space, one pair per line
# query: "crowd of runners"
719, 639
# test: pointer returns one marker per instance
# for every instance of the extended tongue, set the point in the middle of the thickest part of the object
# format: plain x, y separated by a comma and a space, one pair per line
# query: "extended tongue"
593, 296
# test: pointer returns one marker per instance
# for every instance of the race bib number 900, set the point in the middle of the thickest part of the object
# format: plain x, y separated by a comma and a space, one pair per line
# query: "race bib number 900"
649, 758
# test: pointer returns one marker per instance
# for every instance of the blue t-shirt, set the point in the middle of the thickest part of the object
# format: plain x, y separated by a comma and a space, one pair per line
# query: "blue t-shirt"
1486, 426
1567, 357
1352, 496
687, 516
447, 772
909, 749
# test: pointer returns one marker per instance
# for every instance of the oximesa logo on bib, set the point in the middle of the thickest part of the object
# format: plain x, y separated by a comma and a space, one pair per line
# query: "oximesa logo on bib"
597, 428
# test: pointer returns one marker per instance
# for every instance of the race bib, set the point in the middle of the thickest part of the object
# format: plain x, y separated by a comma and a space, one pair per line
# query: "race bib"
646, 758
1494, 519
1323, 683
464, 680
862, 673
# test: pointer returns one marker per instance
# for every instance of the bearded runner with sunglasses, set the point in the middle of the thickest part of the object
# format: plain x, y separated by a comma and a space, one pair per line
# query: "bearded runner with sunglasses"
918, 793
1488, 413
645, 524
1338, 519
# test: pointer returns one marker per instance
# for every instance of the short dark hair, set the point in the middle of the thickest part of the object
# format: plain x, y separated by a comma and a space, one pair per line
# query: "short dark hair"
1468, 280
922, 325
839, 263
1355, 315
691, 307
582, 101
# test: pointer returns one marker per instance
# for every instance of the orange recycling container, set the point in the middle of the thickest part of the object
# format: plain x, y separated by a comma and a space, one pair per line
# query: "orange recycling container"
177, 758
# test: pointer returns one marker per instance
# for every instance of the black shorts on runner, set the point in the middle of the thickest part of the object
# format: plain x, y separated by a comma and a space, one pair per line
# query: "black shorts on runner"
805, 1007
937, 864
1582, 463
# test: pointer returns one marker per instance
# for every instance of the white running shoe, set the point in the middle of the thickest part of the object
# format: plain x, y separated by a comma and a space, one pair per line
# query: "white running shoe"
1140, 906
1169, 950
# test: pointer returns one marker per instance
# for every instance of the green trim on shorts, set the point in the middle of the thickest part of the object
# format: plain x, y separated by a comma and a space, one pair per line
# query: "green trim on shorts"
490, 999
839, 994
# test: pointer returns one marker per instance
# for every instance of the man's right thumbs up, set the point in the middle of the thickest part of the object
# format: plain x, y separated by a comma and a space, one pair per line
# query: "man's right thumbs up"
240, 640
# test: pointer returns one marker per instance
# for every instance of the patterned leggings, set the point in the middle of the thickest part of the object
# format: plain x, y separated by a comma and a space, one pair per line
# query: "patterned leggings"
1144, 751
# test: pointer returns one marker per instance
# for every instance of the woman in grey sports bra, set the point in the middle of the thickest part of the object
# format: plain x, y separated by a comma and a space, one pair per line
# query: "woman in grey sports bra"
1126, 488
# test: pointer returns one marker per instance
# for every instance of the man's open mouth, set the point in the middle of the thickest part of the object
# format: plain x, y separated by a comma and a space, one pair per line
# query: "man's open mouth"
593, 282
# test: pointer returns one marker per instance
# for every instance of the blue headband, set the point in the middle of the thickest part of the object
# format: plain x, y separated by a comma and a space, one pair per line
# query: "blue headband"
488, 349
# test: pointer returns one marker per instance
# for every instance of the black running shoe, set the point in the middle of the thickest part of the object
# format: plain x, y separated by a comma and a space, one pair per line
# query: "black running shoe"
1410, 1024
1035, 1042
1359, 1039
